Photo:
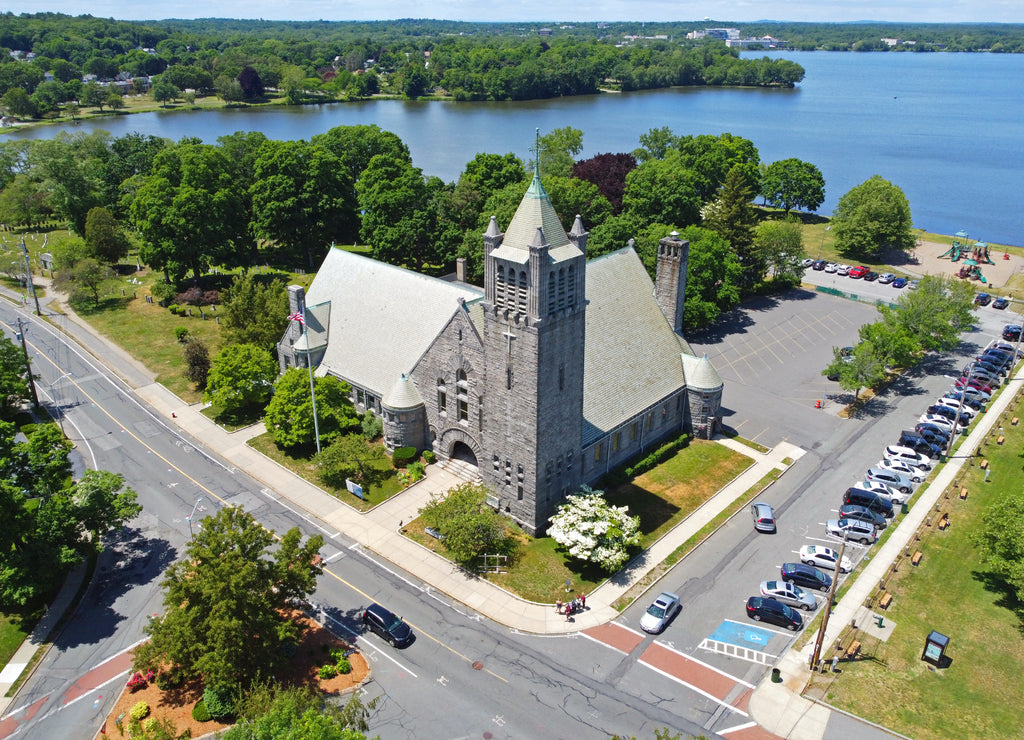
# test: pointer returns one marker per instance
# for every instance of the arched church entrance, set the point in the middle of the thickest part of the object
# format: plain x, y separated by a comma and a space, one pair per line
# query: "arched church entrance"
463, 452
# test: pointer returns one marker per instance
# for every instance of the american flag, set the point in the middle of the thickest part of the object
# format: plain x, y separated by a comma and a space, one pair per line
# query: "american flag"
297, 317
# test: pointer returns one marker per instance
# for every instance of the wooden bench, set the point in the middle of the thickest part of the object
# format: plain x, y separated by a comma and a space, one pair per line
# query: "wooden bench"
984, 464
1014, 421
963, 494
999, 440
853, 649
916, 560
944, 521
886, 599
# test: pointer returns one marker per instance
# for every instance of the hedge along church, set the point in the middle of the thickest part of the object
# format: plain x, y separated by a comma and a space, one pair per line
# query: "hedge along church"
558, 370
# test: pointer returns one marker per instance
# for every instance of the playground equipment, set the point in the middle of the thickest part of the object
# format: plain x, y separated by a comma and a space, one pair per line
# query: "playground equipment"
980, 253
971, 271
959, 247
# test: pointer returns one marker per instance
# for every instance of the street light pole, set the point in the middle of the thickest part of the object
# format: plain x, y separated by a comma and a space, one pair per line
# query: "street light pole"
822, 245
828, 606
960, 408
28, 363
190, 516
28, 277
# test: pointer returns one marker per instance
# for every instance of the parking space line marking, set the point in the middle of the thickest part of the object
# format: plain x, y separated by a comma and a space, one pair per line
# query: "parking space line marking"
760, 626
737, 728
690, 686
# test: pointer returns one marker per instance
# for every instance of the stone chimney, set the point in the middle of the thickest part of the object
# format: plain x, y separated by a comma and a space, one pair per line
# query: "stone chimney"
460, 269
670, 283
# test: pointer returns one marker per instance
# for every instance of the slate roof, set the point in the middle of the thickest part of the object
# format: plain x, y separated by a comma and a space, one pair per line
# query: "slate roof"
632, 359
403, 395
383, 318
535, 210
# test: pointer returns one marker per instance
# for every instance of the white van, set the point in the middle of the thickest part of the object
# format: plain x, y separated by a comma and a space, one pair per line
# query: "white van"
908, 456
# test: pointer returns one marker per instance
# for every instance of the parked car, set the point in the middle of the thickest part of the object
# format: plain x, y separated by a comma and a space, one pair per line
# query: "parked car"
938, 409
378, 619
982, 299
996, 356
913, 284
824, 557
873, 501
831, 267
1011, 332
941, 422
900, 282
658, 614
853, 529
940, 435
964, 408
806, 262
907, 455
960, 383
764, 517
843, 270
889, 478
1000, 303
858, 271
805, 576
990, 364
767, 610
789, 595
972, 392
920, 443
914, 475
968, 399
884, 492
862, 514
886, 277
979, 371
819, 265
870, 276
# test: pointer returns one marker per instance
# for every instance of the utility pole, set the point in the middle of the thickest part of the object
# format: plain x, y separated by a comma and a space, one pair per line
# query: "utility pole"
828, 607
28, 364
28, 277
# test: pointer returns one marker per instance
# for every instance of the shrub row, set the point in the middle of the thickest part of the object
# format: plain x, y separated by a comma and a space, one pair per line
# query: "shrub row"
640, 465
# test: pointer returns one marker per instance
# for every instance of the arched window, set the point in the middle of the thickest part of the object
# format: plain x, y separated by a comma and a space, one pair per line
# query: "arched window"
522, 291
561, 288
499, 287
551, 293
571, 297
442, 397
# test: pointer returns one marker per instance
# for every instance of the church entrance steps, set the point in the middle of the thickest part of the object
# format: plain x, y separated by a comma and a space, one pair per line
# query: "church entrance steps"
463, 470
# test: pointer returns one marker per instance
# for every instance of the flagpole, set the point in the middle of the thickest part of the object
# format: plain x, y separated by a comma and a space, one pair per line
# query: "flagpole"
309, 364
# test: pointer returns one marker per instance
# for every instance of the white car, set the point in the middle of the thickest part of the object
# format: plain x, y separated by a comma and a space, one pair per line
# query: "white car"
824, 557
843, 270
788, 594
890, 478
882, 490
831, 267
914, 475
941, 422
955, 405
806, 262
907, 456
886, 278
659, 613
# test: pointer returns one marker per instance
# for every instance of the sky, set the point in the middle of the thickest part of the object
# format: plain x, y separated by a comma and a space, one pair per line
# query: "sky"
918, 11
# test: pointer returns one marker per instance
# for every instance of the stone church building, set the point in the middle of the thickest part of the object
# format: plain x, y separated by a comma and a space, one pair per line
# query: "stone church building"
558, 370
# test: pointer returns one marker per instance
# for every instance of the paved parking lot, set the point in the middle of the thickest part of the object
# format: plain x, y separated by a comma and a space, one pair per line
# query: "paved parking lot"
770, 352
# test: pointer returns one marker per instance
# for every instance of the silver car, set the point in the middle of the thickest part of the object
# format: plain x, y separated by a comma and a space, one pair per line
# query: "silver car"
901, 468
788, 594
852, 529
659, 613
890, 478
764, 517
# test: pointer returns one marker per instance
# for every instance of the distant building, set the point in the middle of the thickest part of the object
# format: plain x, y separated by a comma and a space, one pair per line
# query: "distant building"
558, 370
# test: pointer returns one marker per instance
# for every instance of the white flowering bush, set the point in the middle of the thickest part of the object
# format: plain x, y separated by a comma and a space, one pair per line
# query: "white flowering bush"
593, 530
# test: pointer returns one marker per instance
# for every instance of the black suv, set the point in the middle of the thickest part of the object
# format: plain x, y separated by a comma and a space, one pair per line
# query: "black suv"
920, 443
769, 610
378, 619
806, 576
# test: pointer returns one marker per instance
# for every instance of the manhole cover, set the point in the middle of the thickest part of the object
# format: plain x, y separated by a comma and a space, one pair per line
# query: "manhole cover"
478, 666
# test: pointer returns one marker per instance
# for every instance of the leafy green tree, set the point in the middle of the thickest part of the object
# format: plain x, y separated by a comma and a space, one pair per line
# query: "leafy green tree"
241, 375
104, 235
393, 198
18, 103
894, 345
712, 158
289, 415
779, 246
163, 92
350, 456
872, 217
298, 713
935, 313
93, 96
225, 601
862, 369
14, 390
593, 530
197, 362
732, 217
252, 85
558, 151
1000, 538
46, 461
469, 526
792, 183
67, 166
103, 503
255, 311
713, 278
662, 190
302, 198
23, 201
114, 99
656, 144
355, 146
84, 279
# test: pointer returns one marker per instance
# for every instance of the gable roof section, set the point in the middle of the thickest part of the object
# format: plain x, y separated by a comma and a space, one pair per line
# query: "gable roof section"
633, 359
535, 211
383, 318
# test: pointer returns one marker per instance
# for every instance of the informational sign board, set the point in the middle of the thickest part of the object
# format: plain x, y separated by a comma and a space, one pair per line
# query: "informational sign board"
354, 488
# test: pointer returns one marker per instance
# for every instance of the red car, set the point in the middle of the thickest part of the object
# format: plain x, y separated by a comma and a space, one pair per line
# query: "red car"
859, 272
975, 383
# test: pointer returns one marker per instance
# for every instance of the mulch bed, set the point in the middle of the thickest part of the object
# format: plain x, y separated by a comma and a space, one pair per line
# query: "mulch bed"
176, 704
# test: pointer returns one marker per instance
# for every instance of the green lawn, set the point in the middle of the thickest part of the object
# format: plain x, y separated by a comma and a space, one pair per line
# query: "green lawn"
13, 631
301, 464
979, 693
661, 498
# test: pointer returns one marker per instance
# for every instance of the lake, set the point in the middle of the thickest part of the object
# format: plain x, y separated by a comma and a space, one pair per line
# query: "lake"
947, 128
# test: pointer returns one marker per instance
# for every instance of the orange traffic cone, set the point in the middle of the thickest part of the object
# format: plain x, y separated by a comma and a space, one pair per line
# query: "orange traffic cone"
817, 404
